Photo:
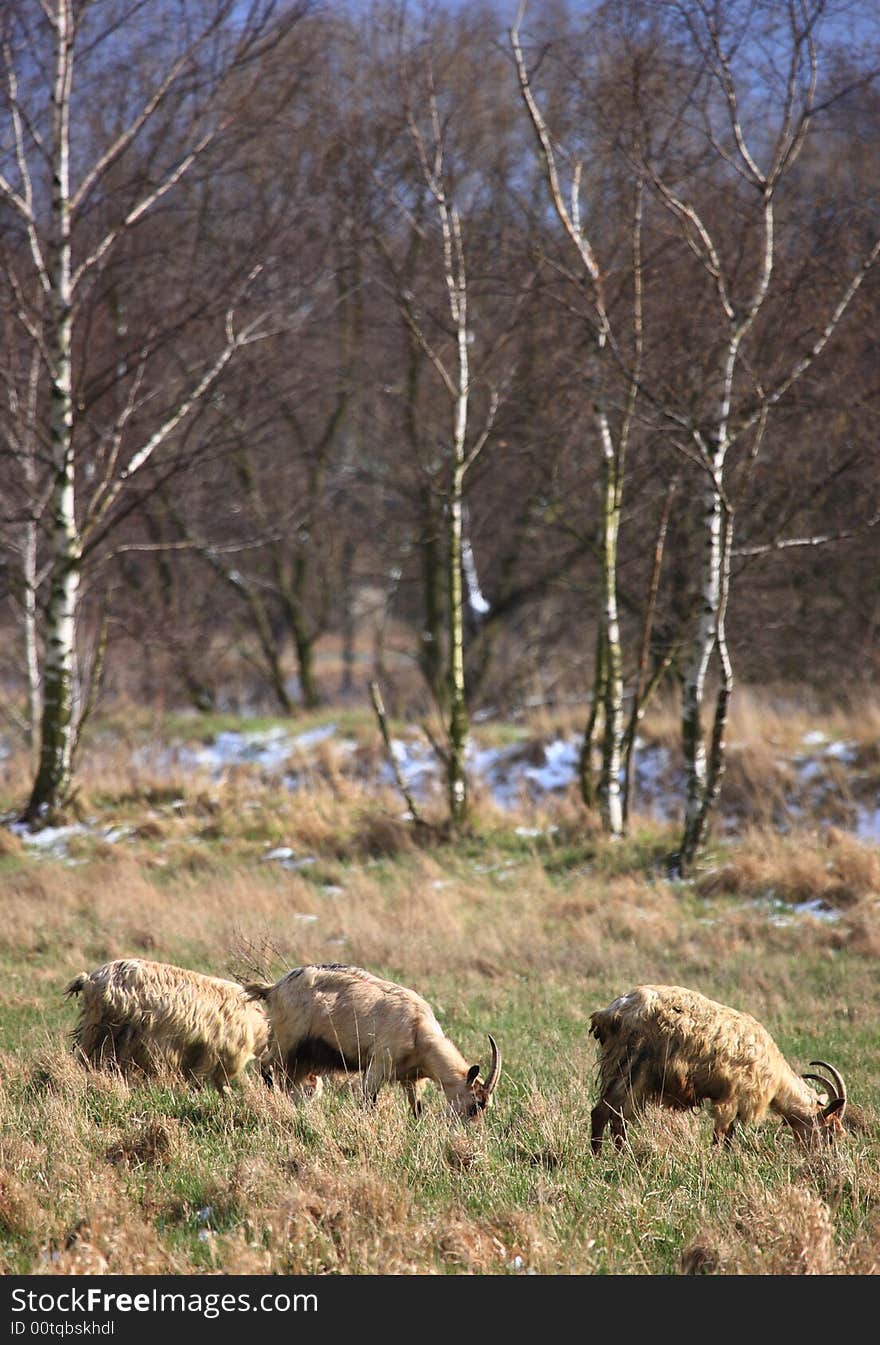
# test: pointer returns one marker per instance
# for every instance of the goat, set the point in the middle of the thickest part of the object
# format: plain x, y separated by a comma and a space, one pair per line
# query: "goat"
666, 1044
333, 1017
135, 1012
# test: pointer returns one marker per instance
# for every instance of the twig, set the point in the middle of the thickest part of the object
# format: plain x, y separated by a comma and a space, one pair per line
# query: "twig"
379, 707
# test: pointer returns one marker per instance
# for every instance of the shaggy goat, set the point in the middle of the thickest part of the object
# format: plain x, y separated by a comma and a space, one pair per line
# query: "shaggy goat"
662, 1043
332, 1017
135, 1012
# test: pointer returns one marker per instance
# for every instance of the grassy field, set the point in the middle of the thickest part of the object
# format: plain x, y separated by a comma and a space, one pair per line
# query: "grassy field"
521, 935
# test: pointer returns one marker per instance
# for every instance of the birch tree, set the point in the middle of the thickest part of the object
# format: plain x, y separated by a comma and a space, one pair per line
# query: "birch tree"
612, 441
57, 169
456, 364
755, 146
465, 447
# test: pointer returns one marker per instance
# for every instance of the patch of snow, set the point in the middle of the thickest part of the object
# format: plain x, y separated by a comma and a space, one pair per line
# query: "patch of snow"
657, 787
261, 747
867, 826
841, 751
819, 910
652, 765
115, 834
560, 767
50, 838
418, 766
782, 913
525, 770
284, 856
498, 767
303, 741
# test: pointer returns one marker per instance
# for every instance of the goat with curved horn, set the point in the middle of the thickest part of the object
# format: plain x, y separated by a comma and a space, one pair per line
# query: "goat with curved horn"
330, 1018
836, 1104
667, 1044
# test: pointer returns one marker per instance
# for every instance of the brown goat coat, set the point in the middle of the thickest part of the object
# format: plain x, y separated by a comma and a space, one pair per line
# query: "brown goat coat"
332, 1017
668, 1044
134, 1011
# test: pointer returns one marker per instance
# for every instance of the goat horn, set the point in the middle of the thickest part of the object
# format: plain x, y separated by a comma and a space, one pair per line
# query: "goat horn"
838, 1081
826, 1083
495, 1070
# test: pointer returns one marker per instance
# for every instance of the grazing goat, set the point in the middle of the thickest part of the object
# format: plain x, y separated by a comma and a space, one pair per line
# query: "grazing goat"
330, 1018
135, 1012
662, 1043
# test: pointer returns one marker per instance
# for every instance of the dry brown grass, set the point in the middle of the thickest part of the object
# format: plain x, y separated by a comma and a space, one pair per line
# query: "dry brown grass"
518, 934
789, 1231
798, 867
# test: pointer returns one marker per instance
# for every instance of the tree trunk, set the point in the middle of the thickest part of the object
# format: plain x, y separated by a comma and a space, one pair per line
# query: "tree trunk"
644, 685
609, 779
349, 619
32, 656
304, 644
694, 684
266, 639
458, 716
431, 641
292, 586
56, 723
715, 767
585, 762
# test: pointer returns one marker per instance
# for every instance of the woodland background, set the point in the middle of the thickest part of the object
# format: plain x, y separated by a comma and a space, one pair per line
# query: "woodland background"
230, 430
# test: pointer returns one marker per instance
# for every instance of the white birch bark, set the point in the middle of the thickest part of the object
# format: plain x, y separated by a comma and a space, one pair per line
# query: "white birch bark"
456, 285
694, 681
477, 603
610, 803
49, 316
612, 455
56, 732
31, 651
457, 383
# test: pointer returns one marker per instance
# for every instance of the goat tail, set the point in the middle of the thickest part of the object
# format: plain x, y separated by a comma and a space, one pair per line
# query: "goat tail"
75, 986
257, 990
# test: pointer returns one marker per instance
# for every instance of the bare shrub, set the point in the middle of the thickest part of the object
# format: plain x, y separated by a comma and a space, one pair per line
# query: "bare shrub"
380, 835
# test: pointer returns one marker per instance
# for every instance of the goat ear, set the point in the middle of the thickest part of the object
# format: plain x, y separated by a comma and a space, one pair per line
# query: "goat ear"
472, 1075
833, 1109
